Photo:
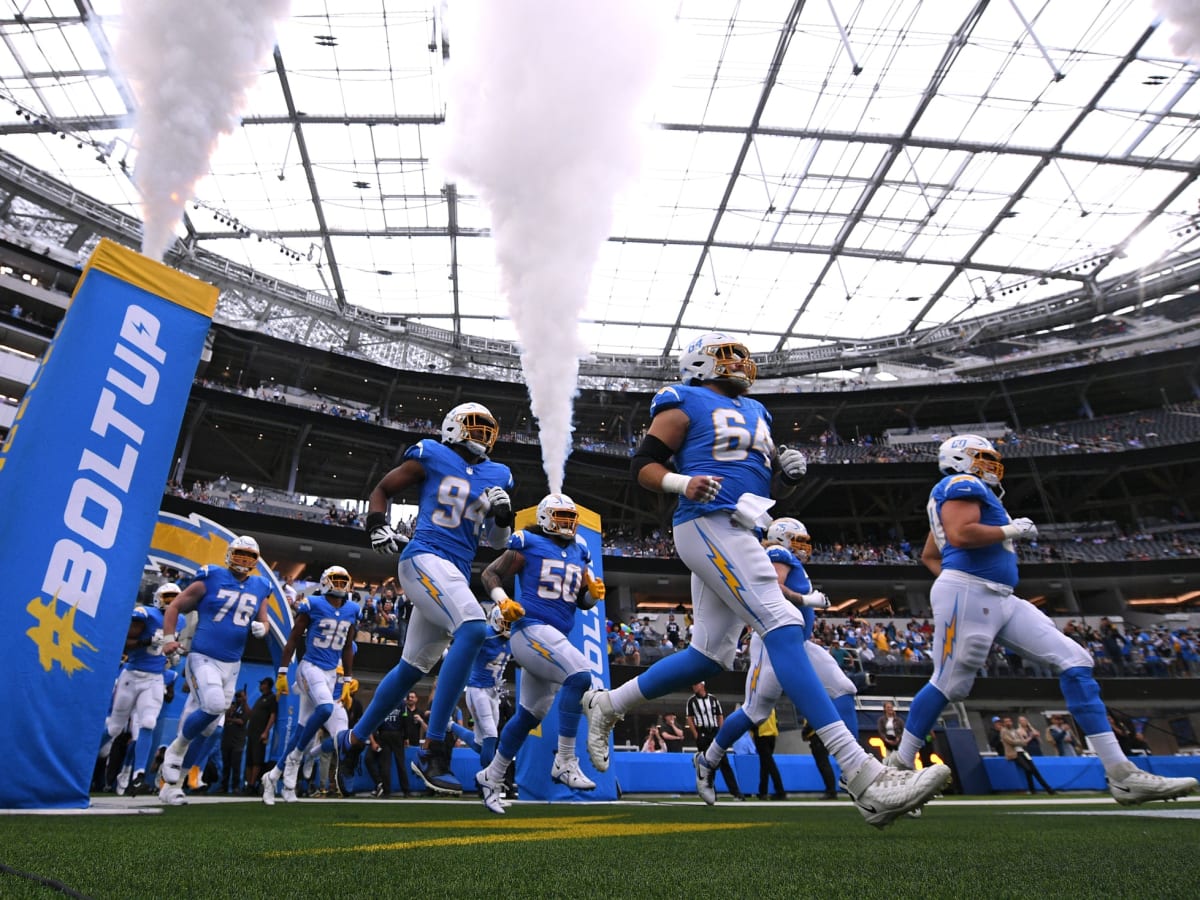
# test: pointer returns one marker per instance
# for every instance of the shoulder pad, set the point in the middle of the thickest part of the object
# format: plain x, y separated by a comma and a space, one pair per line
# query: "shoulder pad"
516, 540
139, 612
667, 398
304, 606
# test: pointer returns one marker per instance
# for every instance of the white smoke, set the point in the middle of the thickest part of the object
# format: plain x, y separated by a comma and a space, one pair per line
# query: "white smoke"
544, 122
1184, 15
190, 65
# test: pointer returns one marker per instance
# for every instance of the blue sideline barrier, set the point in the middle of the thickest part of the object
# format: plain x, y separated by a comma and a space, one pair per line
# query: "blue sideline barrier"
1081, 773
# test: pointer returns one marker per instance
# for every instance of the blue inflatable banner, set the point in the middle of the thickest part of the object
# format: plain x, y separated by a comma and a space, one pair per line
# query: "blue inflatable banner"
82, 473
590, 637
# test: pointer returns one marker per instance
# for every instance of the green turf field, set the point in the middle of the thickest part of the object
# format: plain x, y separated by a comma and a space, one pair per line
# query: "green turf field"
365, 848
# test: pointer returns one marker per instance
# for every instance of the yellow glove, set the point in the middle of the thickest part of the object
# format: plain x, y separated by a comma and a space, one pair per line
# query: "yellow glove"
511, 610
345, 694
281, 682
595, 585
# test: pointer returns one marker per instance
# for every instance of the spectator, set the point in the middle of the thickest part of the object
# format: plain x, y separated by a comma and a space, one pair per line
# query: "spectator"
1029, 736
820, 755
233, 743
654, 742
1062, 736
671, 733
1014, 750
890, 728
258, 731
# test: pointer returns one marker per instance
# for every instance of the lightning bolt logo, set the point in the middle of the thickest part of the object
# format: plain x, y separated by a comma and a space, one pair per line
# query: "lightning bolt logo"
950, 635
56, 637
754, 677
725, 569
434, 592
545, 652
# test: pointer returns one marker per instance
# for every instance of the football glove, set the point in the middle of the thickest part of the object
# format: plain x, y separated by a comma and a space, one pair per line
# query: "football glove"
499, 506
511, 610
345, 688
157, 642
792, 464
258, 629
595, 586
384, 538
1020, 530
281, 682
815, 599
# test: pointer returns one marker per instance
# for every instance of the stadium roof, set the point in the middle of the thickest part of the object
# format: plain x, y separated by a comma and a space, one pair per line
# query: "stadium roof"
816, 173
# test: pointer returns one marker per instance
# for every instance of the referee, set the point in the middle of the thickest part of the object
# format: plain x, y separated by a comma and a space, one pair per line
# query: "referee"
704, 717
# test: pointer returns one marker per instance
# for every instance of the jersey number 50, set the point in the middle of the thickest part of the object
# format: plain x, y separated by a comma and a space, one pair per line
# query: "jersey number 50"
559, 580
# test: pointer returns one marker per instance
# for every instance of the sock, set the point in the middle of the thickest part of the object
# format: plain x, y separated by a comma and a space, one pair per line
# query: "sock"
327, 744
467, 736
570, 706
785, 647
143, 745
671, 673
735, 725
514, 734
848, 711
924, 712
456, 669
309, 729
1108, 751
566, 747
388, 696
487, 750
106, 743
627, 696
498, 767
842, 746
1082, 694
196, 723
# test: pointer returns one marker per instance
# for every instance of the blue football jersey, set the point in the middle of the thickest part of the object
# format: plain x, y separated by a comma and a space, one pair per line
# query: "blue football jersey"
226, 611
727, 436
797, 580
995, 562
488, 669
141, 659
328, 628
551, 578
451, 513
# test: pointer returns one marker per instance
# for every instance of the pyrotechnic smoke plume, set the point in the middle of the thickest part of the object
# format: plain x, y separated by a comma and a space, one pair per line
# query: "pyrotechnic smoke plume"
1184, 17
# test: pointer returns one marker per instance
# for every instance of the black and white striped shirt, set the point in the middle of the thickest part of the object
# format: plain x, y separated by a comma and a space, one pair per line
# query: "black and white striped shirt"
705, 712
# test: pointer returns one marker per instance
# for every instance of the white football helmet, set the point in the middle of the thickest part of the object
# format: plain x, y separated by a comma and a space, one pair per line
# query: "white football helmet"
335, 582
242, 555
790, 533
713, 356
556, 514
165, 593
472, 426
496, 620
971, 455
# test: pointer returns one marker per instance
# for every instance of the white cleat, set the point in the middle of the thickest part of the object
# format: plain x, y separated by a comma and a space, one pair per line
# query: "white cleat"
894, 792
568, 772
171, 769
490, 791
269, 780
597, 706
291, 769
893, 761
1134, 785
122, 782
704, 779
172, 795
288, 794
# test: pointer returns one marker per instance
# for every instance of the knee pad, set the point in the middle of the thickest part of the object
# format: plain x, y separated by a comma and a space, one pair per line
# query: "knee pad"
212, 699
145, 721
1082, 694
321, 714
577, 683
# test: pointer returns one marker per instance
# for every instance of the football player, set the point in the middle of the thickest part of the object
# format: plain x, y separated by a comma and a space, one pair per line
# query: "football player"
788, 547
971, 551
138, 696
230, 605
463, 494
483, 689
326, 622
728, 467
557, 566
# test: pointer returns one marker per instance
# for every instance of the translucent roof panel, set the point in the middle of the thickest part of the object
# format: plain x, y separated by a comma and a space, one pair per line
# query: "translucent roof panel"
809, 172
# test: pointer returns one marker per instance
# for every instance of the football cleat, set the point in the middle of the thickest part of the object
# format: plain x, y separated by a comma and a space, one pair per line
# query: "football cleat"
288, 794
1133, 785
171, 769
269, 781
172, 795
195, 779
291, 769
490, 791
597, 706
567, 771
138, 784
704, 779
894, 792
893, 761
306, 768
432, 766
122, 782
